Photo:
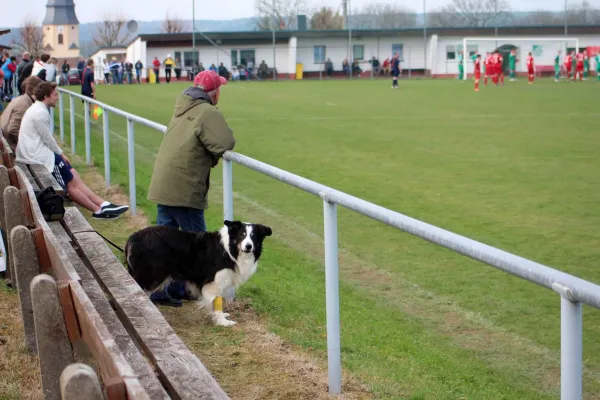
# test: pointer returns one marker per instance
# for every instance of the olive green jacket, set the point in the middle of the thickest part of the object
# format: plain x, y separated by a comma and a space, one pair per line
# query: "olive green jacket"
196, 138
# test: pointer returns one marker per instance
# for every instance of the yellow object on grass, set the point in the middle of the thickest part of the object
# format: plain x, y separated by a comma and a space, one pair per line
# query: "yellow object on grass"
218, 304
299, 71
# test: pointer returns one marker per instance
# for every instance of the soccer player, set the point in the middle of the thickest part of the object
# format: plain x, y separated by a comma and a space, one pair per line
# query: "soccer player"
477, 70
494, 71
501, 68
598, 66
512, 61
574, 64
579, 67
530, 68
395, 70
568, 63
557, 67
586, 64
487, 67
461, 66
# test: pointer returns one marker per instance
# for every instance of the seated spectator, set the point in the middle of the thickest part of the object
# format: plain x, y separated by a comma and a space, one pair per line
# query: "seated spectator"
346, 67
37, 146
329, 67
10, 121
386, 67
356, 68
223, 71
235, 74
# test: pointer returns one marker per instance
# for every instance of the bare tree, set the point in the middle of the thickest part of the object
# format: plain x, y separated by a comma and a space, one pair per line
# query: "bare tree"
471, 13
325, 18
280, 14
541, 18
173, 24
31, 38
583, 14
386, 16
111, 31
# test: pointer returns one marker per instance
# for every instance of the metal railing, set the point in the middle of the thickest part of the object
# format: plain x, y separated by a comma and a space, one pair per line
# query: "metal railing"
573, 291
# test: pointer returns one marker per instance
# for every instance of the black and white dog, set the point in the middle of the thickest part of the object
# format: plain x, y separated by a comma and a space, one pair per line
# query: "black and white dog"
211, 263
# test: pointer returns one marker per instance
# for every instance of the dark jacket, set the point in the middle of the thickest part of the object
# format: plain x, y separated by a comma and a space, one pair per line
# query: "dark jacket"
197, 136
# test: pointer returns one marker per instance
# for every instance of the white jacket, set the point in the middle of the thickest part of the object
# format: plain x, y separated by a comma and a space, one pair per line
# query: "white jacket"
36, 144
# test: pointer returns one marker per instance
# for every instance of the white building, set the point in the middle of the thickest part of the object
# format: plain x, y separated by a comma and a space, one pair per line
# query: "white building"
434, 53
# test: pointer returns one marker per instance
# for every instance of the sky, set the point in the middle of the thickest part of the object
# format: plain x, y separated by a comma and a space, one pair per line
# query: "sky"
146, 10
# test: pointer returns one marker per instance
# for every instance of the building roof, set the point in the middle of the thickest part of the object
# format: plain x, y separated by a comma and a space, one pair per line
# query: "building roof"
259, 36
60, 12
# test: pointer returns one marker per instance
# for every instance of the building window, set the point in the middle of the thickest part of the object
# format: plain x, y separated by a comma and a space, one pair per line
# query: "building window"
178, 57
190, 59
398, 48
72, 27
247, 56
60, 38
450, 52
319, 54
359, 51
234, 58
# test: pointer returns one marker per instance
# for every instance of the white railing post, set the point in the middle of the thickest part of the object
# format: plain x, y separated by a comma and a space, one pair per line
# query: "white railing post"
571, 345
88, 144
72, 116
332, 295
131, 160
61, 116
52, 120
106, 148
227, 190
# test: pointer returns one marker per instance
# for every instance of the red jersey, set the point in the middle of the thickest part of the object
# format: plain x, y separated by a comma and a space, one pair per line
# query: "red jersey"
529, 62
477, 67
580, 58
500, 63
568, 62
488, 63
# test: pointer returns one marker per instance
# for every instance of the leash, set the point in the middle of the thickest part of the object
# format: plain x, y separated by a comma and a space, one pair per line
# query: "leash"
106, 239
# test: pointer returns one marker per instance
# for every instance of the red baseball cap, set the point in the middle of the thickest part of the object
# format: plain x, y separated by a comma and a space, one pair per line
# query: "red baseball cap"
209, 80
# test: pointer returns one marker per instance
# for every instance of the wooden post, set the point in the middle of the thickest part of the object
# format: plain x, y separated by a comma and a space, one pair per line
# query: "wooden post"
4, 183
79, 381
13, 212
26, 267
54, 350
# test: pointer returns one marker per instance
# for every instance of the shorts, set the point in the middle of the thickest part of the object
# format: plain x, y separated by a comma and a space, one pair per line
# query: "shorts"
395, 74
580, 67
477, 75
62, 171
530, 71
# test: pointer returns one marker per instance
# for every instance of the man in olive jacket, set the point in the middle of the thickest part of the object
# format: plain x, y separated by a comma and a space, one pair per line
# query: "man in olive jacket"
196, 138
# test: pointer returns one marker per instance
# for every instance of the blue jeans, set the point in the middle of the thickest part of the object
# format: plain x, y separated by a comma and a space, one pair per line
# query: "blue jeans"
188, 220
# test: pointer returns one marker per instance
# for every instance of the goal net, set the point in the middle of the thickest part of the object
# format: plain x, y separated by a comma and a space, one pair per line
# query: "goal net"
543, 49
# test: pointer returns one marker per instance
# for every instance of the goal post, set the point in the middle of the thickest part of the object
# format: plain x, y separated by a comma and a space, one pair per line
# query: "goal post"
528, 43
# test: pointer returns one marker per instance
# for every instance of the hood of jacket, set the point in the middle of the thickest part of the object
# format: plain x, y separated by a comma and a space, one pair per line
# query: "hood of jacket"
190, 98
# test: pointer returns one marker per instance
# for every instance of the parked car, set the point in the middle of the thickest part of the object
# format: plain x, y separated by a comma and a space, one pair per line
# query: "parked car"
73, 77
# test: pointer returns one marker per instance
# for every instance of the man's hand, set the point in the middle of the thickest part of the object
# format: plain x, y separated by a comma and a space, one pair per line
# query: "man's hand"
65, 159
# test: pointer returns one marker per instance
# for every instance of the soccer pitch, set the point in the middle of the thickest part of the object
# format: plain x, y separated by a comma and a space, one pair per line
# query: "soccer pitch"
515, 167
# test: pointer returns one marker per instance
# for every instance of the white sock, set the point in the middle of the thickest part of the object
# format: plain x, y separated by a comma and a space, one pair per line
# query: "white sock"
104, 204
99, 211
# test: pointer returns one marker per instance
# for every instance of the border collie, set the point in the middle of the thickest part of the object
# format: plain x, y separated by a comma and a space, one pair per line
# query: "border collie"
211, 263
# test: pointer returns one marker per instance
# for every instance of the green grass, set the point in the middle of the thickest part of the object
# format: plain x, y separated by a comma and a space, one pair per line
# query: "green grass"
513, 167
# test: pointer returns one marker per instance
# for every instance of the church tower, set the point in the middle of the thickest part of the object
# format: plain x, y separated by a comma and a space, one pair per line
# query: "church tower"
61, 29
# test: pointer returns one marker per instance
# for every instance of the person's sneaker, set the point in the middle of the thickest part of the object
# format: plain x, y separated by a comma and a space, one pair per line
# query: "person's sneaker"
165, 299
114, 209
105, 215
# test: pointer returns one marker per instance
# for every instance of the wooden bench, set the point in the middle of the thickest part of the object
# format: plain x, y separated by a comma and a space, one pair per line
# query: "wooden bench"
84, 307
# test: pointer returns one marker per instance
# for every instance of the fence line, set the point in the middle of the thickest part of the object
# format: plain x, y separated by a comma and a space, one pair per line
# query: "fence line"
573, 291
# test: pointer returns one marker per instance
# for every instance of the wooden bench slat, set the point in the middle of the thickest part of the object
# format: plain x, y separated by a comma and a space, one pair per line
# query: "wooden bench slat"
136, 360
100, 341
8, 156
30, 177
61, 270
180, 370
45, 178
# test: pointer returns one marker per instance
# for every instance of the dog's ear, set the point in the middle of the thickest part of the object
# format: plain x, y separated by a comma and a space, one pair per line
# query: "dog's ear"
228, 223
265, 230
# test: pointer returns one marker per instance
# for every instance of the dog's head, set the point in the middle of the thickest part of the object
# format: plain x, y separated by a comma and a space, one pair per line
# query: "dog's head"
245, 238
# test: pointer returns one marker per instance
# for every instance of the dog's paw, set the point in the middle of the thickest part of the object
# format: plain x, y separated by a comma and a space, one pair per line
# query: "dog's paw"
220, 319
